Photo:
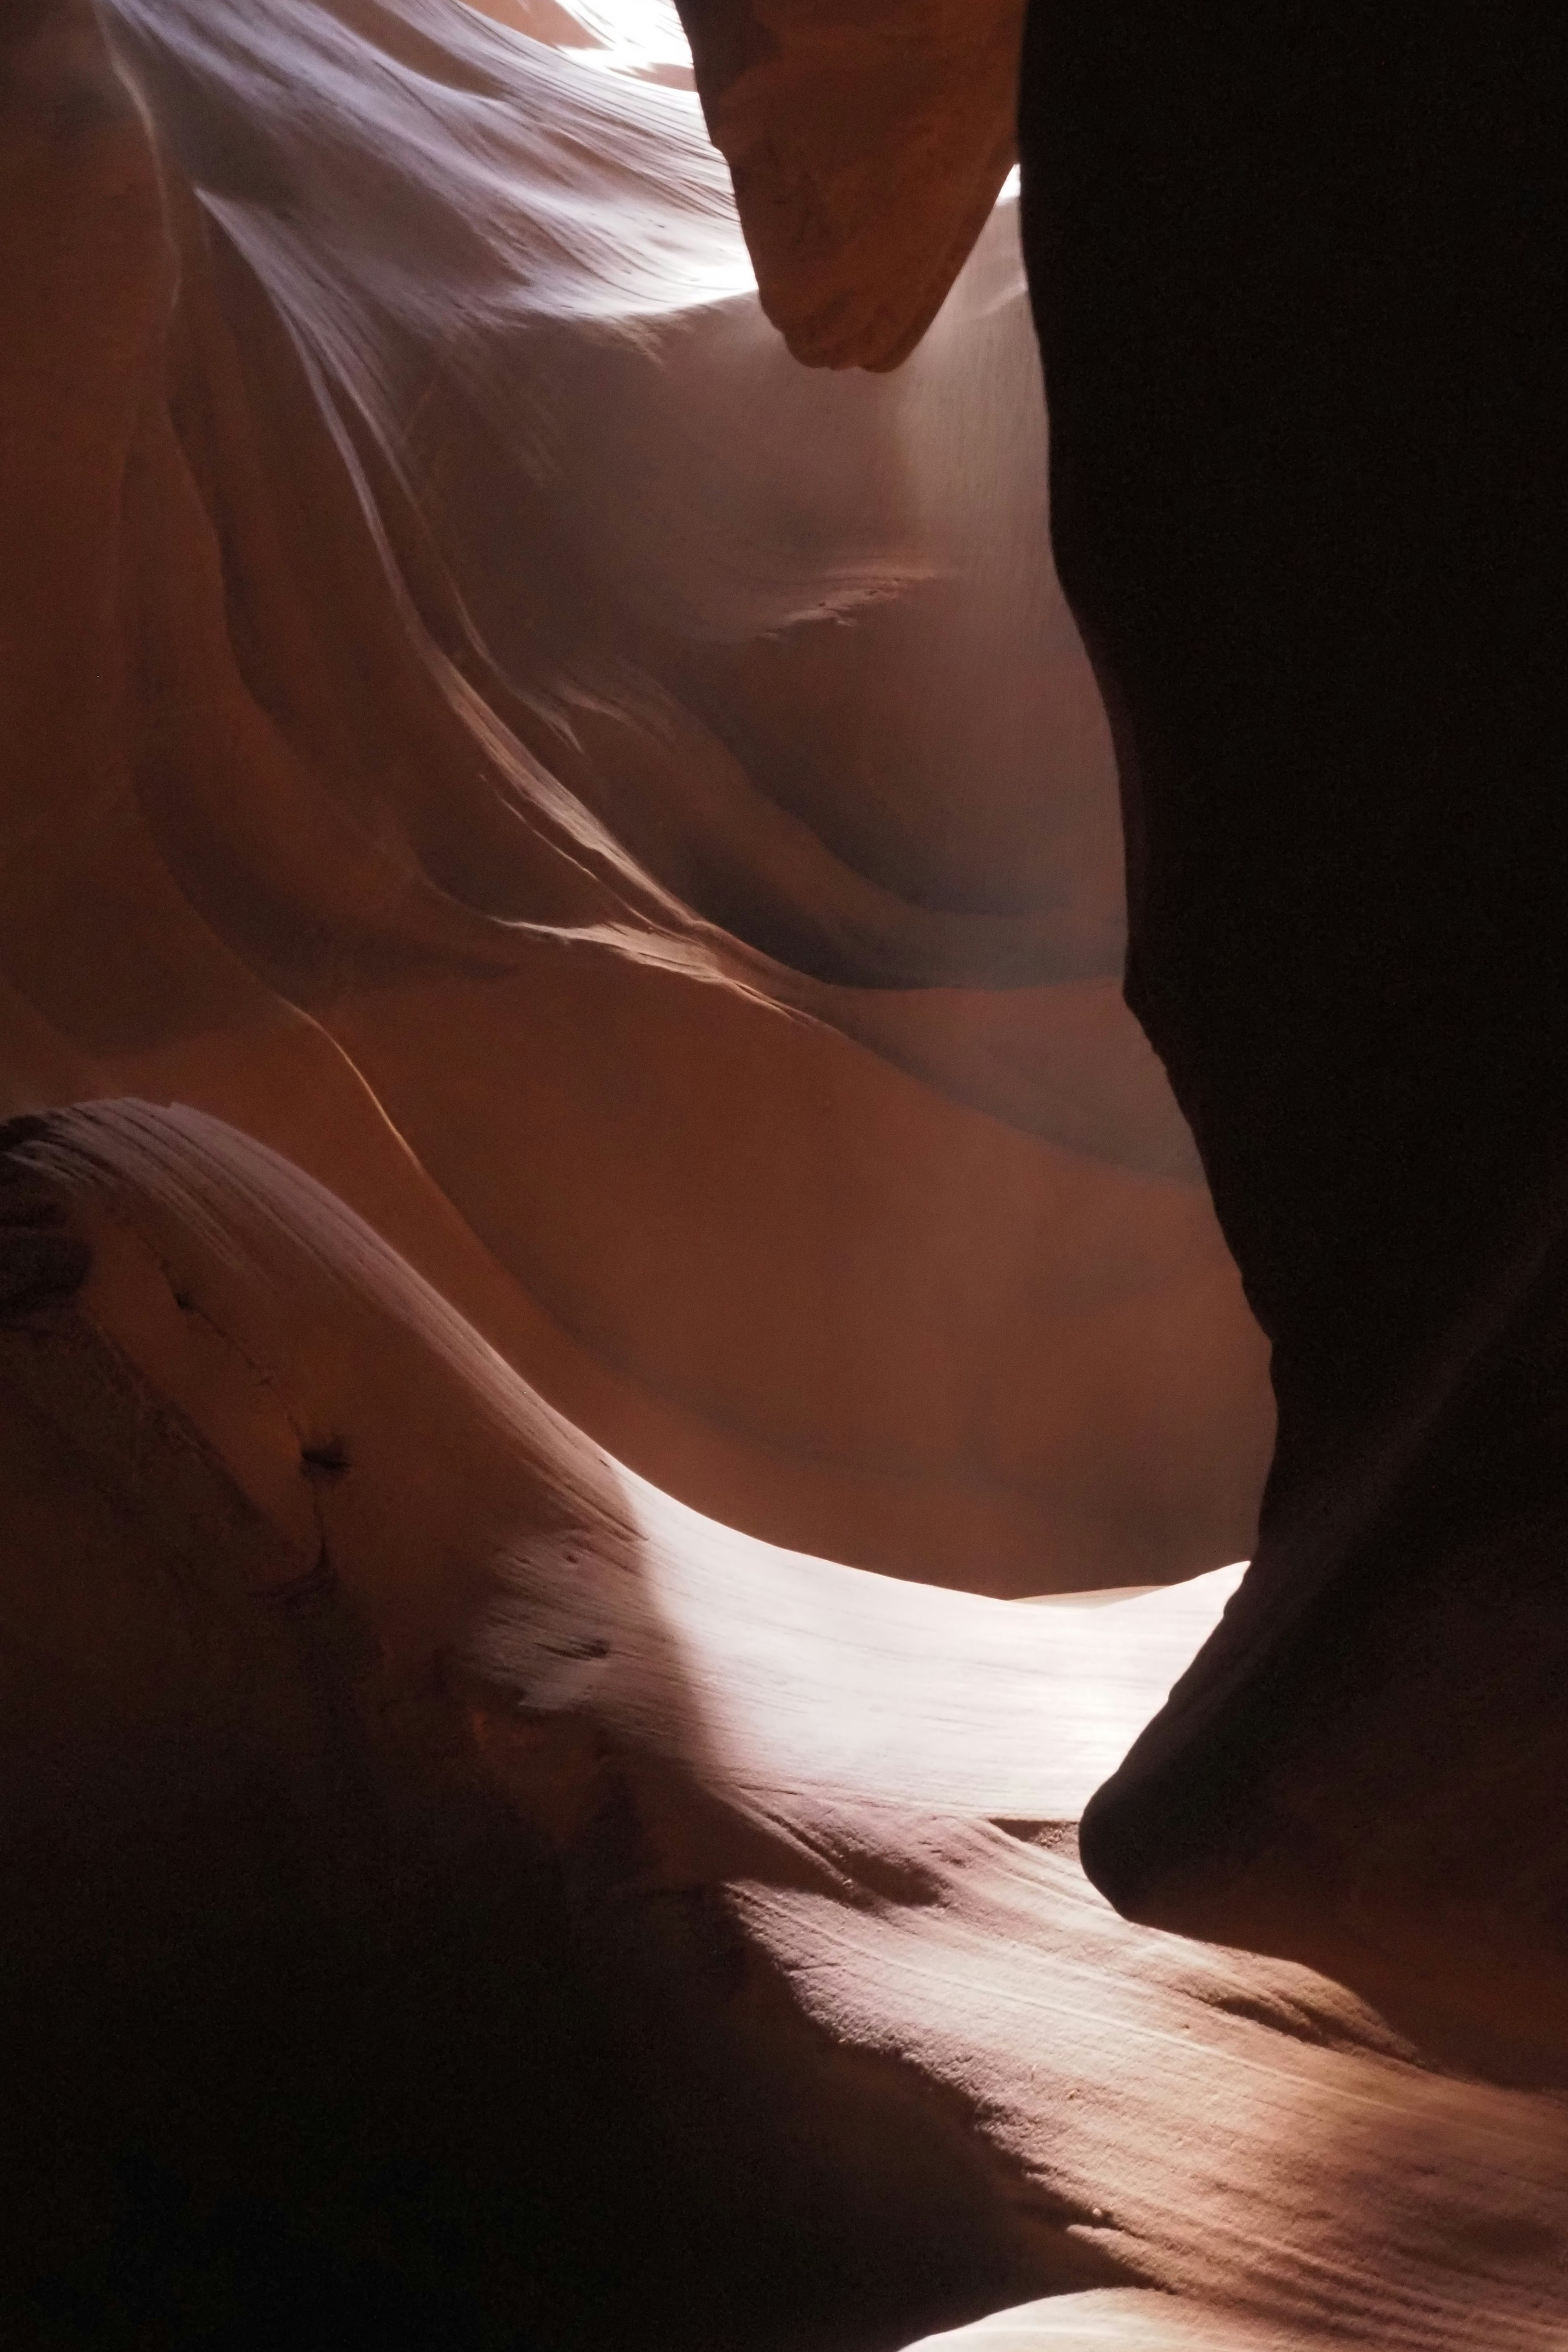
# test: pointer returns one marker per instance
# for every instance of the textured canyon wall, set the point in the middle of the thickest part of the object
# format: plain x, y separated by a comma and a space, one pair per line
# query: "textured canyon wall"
455, 1891
1299, 295
483, 721
607, 845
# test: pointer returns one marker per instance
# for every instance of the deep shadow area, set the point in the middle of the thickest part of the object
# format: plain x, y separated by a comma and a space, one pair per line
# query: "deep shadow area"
403, 2125
311, 2036
1296, 279
407, 2116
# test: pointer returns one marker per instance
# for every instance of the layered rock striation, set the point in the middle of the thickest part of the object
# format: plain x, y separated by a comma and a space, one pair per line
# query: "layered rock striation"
483, 722
571, 872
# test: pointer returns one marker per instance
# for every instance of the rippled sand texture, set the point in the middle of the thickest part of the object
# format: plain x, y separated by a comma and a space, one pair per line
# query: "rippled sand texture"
629, 814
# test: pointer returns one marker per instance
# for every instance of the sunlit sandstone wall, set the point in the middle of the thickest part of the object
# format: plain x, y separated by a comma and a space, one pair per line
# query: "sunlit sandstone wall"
453, 1888
632, 815
770, 2006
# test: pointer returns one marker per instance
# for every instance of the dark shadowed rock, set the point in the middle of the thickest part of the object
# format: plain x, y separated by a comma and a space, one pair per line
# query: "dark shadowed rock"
1296, 283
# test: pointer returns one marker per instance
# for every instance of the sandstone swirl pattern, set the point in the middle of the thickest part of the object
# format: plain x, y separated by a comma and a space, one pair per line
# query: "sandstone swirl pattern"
524, 839
482, 719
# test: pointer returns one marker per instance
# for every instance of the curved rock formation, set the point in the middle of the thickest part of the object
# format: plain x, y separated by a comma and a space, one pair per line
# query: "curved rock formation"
1297, 287
1339, 708
867, 146
788, 1886
463, 731
480, 732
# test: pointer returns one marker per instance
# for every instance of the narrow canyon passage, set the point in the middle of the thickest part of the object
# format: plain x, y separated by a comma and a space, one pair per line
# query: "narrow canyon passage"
622, 1388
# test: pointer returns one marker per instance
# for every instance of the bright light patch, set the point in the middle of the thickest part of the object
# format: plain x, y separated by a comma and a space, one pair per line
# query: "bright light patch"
641, 37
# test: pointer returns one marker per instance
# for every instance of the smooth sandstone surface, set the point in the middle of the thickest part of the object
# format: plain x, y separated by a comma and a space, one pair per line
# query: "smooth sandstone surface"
484, 721
1112, 2320
456, 1890
806, 1832
866, 146
1298, 288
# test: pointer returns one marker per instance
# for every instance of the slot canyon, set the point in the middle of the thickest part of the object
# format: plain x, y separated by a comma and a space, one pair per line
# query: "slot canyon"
784, 1176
